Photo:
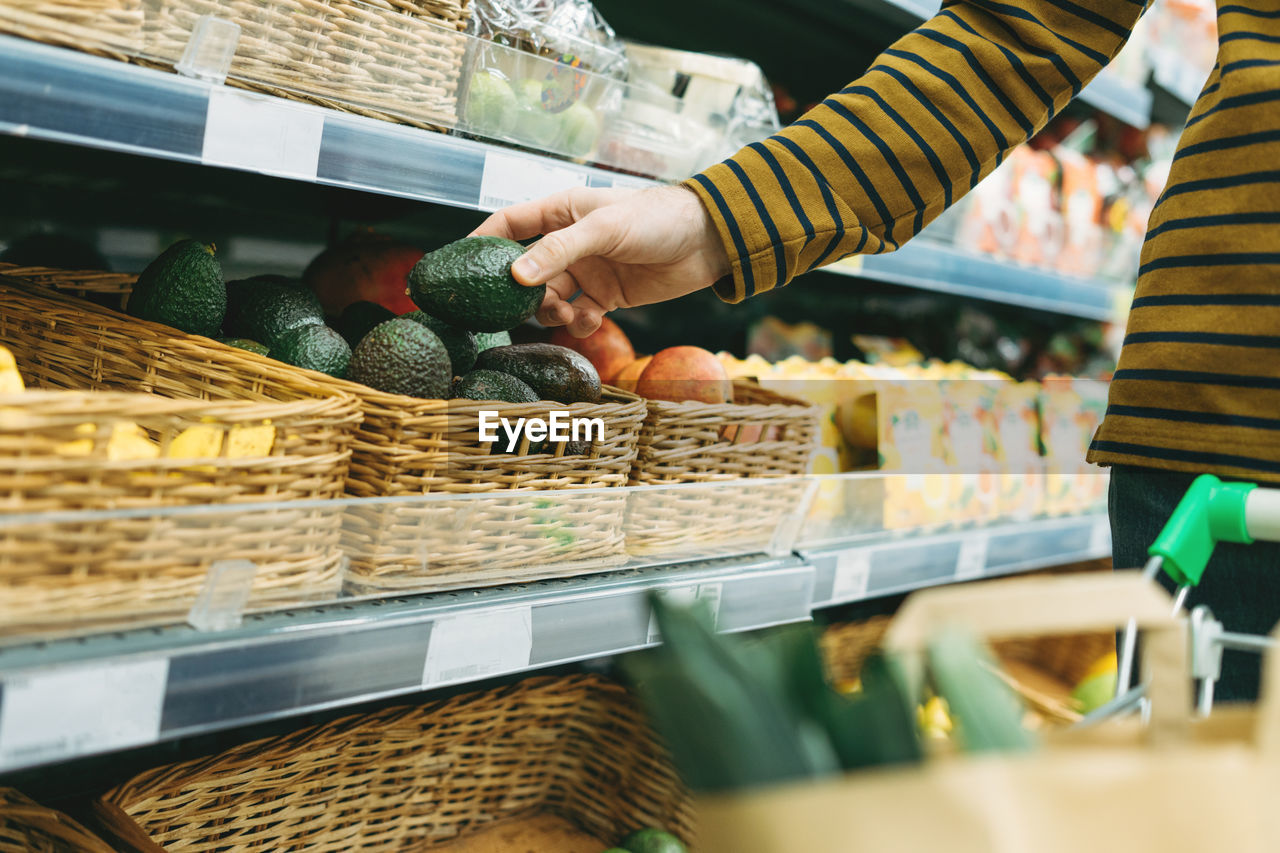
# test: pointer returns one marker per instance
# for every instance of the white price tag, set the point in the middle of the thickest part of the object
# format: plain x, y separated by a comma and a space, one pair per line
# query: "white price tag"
262, 134
511, 179
853, 575
972, 561
1100, 537
685, 596
63, 713
463, 648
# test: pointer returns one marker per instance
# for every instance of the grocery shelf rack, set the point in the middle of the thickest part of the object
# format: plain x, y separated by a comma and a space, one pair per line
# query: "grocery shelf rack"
58, 95
67, 698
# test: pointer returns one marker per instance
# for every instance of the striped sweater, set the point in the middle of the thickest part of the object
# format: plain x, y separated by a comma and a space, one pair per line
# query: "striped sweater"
1198, 383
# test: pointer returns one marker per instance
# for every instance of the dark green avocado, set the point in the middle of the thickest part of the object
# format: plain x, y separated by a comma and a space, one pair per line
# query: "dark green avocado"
492, 385
468, 284
460, 343
182, 288
246, 345
402, 357
265, 308
359, 318
315, 347
553, 372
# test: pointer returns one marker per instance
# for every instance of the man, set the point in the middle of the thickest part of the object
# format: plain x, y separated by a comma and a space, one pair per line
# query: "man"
1198, 384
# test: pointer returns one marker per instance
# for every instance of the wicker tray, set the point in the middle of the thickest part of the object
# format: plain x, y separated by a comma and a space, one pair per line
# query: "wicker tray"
403, 447
28, 827
761, 435
105, 27
88, 570
417, 777
396, 59
513, 536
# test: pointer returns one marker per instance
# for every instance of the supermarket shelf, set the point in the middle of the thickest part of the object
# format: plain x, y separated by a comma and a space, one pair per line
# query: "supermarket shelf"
60, 95
67, 699
946, 269
884, 564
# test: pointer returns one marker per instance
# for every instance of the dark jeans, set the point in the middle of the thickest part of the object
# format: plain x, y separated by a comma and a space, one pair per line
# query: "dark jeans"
1241, 585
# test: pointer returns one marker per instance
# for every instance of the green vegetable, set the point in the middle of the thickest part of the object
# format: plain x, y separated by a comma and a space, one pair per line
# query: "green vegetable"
402, 357
460, 343
314, 347
359, 319
491, 105
245, 344
492, 385
182, 288
553, 372
267, 307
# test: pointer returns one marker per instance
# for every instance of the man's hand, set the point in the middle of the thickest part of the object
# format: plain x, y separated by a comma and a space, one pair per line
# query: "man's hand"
621, 248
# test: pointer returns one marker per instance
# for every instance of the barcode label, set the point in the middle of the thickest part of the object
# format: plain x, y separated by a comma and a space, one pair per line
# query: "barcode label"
1100, 537
464, 648
853, 576
63, 713
511, 179
972, 560
262, 134
709, 594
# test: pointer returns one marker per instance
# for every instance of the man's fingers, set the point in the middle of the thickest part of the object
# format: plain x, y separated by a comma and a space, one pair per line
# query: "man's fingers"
558, 250
587, 315
554, 311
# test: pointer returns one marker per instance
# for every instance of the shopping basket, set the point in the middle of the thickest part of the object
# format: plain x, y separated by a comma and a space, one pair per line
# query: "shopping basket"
1210, 512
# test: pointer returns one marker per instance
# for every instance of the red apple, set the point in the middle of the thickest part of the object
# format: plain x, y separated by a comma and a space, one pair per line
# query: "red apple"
685, 373
607, 348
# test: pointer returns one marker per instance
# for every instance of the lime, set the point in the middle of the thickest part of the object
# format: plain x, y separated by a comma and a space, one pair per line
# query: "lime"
652, 840
535, 126
491, 105
580, 128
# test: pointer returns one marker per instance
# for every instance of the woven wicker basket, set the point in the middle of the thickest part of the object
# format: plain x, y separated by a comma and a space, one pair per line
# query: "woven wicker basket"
108, 289
403, 447
105, 27
59, 453
417, 777
761, 435
28, 827
514, 536
397, 59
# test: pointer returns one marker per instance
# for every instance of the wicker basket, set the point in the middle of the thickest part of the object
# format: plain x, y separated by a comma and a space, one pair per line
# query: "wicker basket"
61, 452
761, 435
513, 536
403, 447
108, 289
417, 777
105, 27
28, 827
396, 59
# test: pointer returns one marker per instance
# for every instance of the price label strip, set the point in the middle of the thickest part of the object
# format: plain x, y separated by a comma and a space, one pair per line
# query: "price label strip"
709, 594
262, 134
62, 713
972, 561
853, 576
1100, 537
465, 648
511, 179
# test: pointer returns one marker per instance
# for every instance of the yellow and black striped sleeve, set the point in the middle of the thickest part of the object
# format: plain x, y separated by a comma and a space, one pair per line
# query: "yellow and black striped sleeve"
871, 165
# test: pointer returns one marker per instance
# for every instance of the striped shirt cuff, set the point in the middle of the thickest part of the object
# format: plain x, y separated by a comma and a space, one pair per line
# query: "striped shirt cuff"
752, 253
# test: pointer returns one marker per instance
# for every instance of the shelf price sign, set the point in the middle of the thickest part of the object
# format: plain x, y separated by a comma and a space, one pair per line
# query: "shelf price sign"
478, 645
971, 562
62, 713
853, 575
262, 134
512, 178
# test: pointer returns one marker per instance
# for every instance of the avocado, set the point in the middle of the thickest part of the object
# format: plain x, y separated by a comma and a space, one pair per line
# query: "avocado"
492, 385
245, 344
182, 288
315, 347
468, 284
265, 307
359, 318
652, 840
402, 357
553, 372
460, 343
489, 340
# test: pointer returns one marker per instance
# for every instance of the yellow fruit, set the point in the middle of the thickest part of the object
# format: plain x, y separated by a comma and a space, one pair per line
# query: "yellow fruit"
10, 378
129, 441
197, 442
248, 442
79, 446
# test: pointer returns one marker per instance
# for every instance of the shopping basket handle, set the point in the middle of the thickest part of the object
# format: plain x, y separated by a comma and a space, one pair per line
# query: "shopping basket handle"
1211, 512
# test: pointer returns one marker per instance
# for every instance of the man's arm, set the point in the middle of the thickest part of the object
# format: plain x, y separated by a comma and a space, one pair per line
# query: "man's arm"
870, 166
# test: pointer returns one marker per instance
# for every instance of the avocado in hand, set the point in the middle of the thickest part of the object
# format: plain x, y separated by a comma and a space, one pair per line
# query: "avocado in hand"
468, 284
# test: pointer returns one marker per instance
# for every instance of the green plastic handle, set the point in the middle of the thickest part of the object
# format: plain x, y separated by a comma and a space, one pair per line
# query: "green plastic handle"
1210, 512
